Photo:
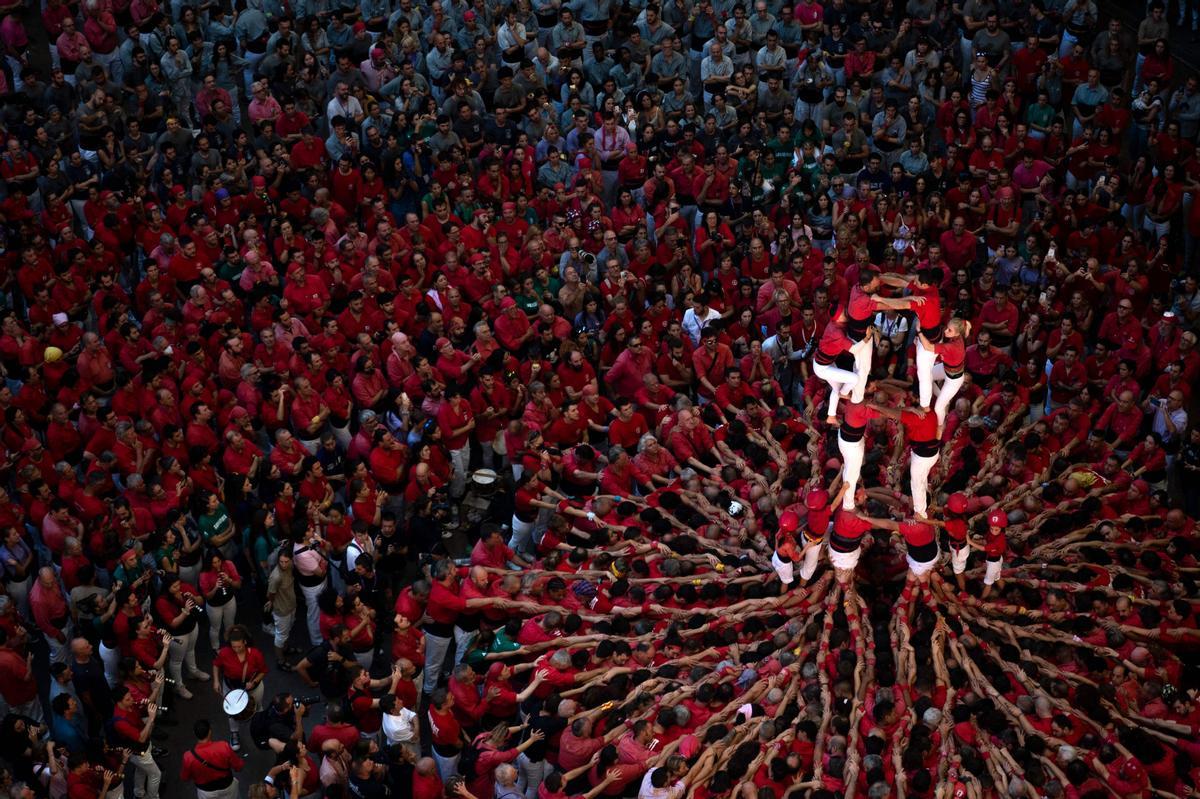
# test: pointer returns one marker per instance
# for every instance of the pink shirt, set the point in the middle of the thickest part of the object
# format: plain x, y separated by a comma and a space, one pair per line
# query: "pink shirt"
264, 109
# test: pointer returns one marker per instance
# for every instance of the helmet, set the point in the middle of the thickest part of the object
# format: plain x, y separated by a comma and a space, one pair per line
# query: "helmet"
788, 521
957, 503
817, 498
52, 354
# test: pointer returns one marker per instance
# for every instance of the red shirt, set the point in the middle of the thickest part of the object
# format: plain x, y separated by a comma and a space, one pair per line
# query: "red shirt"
236, 671
850, 529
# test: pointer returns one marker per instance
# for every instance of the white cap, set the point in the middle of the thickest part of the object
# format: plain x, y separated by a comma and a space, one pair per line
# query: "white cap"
59, 318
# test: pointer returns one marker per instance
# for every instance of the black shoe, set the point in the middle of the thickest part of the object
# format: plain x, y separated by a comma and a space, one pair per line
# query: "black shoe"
158, 751
293, 650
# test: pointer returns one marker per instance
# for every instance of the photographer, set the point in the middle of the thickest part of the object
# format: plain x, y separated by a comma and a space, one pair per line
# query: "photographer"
326, 664
280, 723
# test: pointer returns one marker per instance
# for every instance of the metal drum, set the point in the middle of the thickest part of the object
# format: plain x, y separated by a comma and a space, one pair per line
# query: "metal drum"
239, 705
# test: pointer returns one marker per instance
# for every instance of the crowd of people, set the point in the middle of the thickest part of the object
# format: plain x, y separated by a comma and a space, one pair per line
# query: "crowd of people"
595, 399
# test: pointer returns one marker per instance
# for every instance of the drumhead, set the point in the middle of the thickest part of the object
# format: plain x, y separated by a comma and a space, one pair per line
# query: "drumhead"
236, 701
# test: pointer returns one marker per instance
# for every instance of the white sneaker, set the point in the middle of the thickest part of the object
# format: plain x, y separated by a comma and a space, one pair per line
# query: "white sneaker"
235, 741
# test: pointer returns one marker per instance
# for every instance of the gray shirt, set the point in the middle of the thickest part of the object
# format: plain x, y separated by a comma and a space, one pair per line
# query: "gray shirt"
281, 587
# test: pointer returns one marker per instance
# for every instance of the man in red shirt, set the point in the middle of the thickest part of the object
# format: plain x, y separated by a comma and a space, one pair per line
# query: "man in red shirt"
712, 362
958, 245
211, 765
457, 420
1121, 421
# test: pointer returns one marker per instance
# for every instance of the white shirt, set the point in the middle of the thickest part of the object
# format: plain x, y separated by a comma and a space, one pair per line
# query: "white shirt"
398, 728
692, 324
648, 791
351, 109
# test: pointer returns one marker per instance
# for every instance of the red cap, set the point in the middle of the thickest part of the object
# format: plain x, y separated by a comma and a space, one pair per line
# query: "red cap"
507, 302
178, 190
788, 521
441, 342
997, 518
817, 498
957, 503
258, 181
360, 26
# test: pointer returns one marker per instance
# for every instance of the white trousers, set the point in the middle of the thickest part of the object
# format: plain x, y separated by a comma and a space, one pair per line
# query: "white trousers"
845, 561
147, 771
181, 650
925, 361
812, 557
283, 628
958, 558
862, 352
220, 619
852, 461
312, 613
947, 392
783, 568
991, 571
918, 471
521, 540
461, 459
919, 567
839, 380
229, 792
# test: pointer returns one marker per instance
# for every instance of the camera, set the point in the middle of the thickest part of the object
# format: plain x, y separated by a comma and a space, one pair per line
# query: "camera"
307, 701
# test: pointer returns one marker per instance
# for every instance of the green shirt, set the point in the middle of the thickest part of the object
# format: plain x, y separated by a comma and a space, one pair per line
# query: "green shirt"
212, 524
1040, 115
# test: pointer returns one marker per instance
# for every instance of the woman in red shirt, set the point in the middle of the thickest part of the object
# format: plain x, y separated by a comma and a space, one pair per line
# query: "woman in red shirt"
713, 237
360, 621
239, 665
177, 608
219, 583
